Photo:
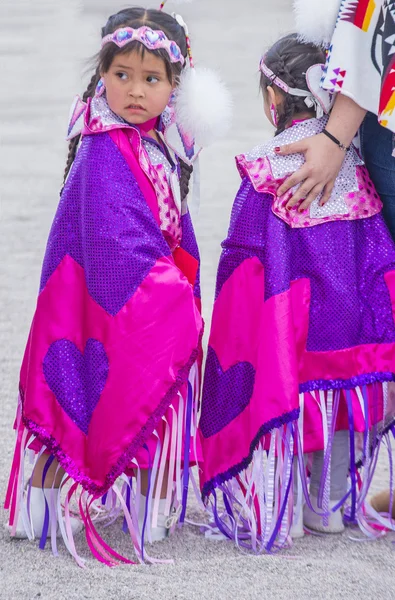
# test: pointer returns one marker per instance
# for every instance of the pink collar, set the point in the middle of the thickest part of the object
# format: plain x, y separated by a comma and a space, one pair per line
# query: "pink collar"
296, 121
148, 125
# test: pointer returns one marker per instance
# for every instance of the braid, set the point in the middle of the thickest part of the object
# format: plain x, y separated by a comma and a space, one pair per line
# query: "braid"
90, 90
290, 103
186, 172
288, 110
73, 145
290, 77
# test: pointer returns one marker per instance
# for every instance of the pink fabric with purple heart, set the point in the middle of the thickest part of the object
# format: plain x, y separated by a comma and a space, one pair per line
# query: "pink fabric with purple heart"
297, 310
116, 329
77, 379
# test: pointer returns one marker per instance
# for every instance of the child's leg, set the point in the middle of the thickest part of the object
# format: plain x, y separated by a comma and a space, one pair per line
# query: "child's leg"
145, 482
297, 530
339, 467
53, 477
41, 498
161, 531
381, 502
338, 485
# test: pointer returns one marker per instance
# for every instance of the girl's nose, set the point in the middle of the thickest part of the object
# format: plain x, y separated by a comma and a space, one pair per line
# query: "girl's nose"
136, 91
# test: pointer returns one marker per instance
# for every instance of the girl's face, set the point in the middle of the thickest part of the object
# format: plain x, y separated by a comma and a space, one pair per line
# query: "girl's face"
137, 87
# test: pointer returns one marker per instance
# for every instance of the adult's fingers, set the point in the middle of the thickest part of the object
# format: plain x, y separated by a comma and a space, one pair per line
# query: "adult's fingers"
315, 192
301, 193
328, 189
294, 148
298, 177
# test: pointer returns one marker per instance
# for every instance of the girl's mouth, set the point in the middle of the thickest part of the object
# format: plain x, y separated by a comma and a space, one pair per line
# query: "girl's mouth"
135, 108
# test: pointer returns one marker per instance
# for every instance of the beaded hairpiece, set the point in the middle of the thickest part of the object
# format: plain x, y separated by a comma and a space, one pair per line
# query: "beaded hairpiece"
151, 39
280, 83
315, 97
198, 119
182, 24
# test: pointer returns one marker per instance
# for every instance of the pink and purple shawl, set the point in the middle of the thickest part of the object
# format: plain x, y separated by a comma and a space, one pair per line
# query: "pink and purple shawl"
117, 326
302, 344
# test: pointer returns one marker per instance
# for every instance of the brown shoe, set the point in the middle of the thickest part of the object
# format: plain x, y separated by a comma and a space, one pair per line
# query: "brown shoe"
381, 502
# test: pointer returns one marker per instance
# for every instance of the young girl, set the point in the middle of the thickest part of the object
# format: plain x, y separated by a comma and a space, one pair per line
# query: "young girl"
104, 390
302, 344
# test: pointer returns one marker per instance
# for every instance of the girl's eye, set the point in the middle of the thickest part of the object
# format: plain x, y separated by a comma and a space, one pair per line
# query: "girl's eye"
121, 75
152, 79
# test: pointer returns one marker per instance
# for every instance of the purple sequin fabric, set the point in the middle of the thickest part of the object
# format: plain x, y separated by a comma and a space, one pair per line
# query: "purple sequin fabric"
189, 244
226, 393
346, 384
104, 223
77, 379
345, 263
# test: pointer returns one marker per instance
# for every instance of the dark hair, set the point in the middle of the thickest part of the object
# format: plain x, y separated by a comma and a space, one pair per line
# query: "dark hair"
135, 18
289, 59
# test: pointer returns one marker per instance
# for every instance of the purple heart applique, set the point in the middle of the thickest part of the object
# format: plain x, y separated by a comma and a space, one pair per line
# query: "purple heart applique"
174, 50
77, 380
152, 36
225, 393
123, 35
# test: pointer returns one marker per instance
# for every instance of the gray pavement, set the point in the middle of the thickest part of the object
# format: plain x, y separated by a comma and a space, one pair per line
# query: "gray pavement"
44, 48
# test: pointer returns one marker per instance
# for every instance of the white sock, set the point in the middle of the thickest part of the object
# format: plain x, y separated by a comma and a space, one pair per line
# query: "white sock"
160, 532
37, 514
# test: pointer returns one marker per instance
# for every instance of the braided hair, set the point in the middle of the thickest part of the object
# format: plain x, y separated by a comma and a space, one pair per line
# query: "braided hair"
186, 172
73, 144
135, 18
290, 59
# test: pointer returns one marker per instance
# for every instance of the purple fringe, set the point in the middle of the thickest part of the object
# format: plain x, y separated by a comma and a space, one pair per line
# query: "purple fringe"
70, 467
390, 428
345, 384
221, 478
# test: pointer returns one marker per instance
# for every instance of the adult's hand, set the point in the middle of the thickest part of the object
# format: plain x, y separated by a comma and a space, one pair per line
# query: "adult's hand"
318, 174
323, 157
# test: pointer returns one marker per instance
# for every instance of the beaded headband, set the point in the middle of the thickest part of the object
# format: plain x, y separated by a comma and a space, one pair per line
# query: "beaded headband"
280, 83
151, 39
316, 97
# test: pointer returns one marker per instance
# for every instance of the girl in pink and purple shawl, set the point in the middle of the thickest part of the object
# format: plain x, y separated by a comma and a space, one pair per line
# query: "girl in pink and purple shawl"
110, 377
302, 348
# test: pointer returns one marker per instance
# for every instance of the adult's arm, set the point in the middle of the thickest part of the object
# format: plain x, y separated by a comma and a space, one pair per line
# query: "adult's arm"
323, 158
315, 22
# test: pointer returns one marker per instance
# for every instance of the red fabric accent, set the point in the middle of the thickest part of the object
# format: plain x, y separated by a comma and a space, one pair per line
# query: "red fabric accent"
361, 11
187, 264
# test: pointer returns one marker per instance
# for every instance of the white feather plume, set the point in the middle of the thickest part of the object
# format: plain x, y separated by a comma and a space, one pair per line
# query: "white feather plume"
316, 20
203, 105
